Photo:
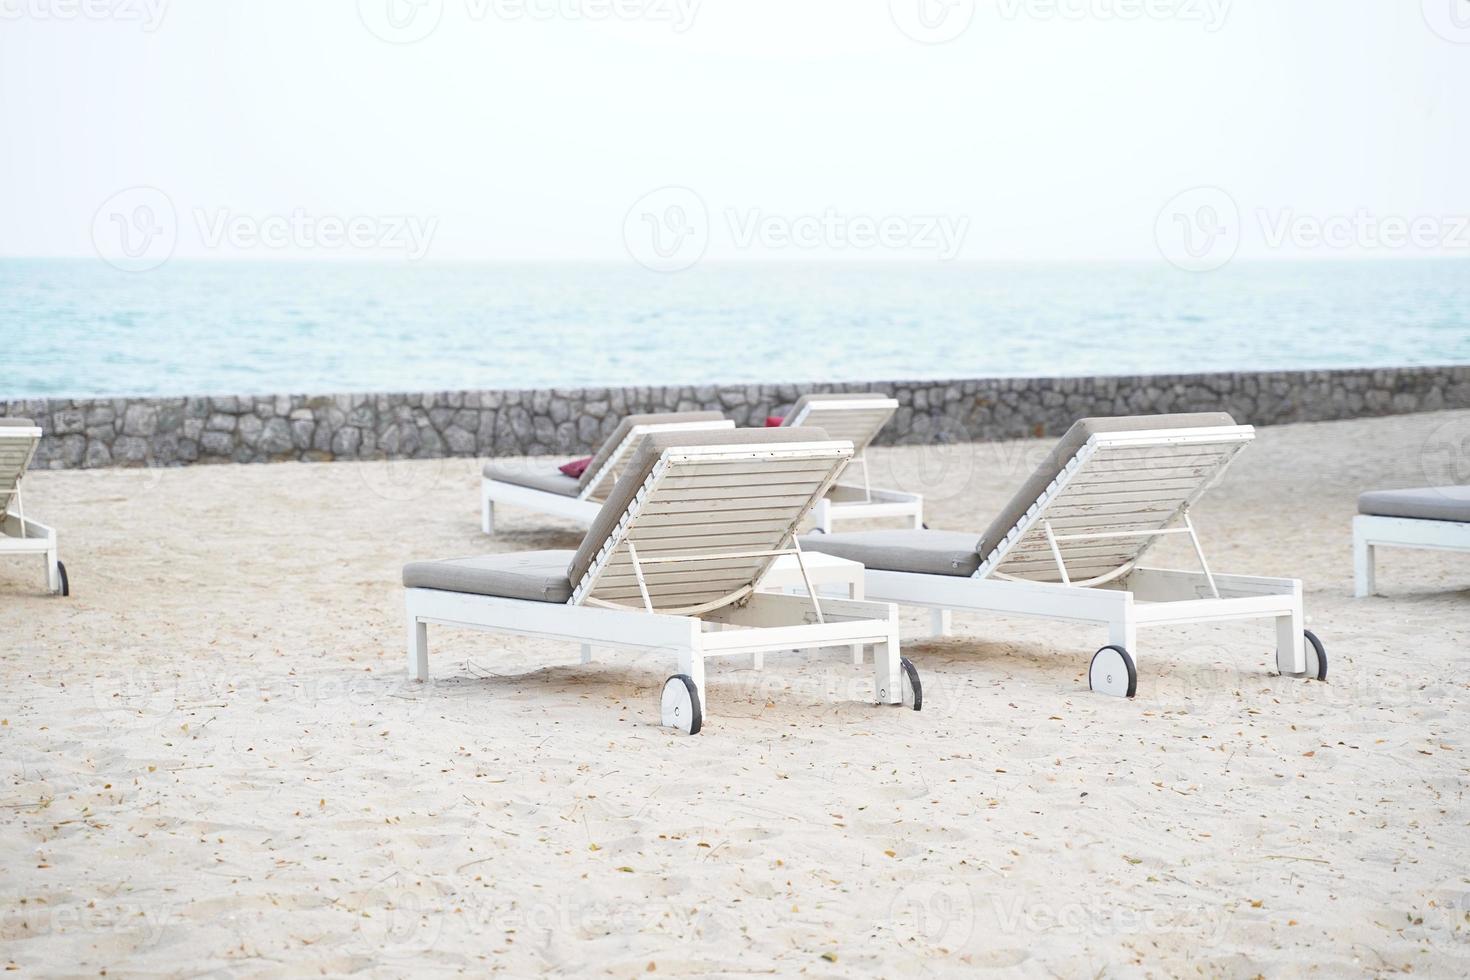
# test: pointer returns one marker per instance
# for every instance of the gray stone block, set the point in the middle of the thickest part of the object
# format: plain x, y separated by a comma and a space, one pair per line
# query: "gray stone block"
140, 419
276, 437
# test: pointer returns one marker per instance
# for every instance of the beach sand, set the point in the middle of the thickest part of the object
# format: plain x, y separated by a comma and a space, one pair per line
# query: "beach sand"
214, 763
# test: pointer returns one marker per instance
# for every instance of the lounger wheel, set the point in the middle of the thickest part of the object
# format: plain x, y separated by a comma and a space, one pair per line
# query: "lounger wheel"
1112, 672
1316, 656
913, 690
65, 582
680, 706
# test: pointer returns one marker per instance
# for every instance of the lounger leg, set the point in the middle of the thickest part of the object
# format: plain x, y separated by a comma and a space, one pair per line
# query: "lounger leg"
487, 513
1123, 632
918, 515
856, 591
691, 662
53, 570
1291, 651
418, 648
586, 653
941, 622
822, 514
1363, 558
887, 673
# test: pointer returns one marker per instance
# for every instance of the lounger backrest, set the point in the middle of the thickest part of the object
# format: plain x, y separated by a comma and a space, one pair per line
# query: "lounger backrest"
598, 478
719, 501
18, 441
1113, 476
857, 417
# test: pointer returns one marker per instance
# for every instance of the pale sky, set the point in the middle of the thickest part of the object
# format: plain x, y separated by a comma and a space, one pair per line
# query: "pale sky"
530, 129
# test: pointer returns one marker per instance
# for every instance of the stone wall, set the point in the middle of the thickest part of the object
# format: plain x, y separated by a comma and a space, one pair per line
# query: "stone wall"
174, 431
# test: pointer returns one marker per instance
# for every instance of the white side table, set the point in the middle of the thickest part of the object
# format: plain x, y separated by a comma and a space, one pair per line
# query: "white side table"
785, 576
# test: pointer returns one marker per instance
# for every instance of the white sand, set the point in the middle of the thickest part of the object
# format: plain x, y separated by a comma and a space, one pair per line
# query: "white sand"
213, 761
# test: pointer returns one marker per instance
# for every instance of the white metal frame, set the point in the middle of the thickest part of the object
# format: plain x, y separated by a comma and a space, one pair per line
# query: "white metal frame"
20, 535
814, 570
584, 506
875, 503
1121, 488
705, 581
1371, 532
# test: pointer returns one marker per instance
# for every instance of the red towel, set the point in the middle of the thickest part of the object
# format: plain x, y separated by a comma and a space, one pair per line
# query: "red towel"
576, 467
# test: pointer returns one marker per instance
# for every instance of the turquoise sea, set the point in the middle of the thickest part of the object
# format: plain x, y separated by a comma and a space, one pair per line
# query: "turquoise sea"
78, 327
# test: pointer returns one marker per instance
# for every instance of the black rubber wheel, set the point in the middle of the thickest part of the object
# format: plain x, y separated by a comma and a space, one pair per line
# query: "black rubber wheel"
1112, 672
923, 525
65, 582
679, 705
1317, 650
913, 690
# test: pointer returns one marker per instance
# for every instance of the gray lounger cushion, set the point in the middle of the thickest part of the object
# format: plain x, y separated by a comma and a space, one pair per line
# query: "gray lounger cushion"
612, 442
1075, 438
921, 551
1420, 503
535, 477
649, 452
17, 423
540, 576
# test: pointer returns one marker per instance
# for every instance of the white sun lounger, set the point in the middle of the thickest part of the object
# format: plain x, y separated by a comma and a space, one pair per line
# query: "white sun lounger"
1436, 518
857, 417
19, 534
671, 564
1070, 546
548, 490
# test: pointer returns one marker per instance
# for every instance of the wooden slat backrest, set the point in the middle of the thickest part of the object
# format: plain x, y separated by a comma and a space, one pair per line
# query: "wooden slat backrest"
721, 510
602, 482
17, 447
858, 420
1118, 482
